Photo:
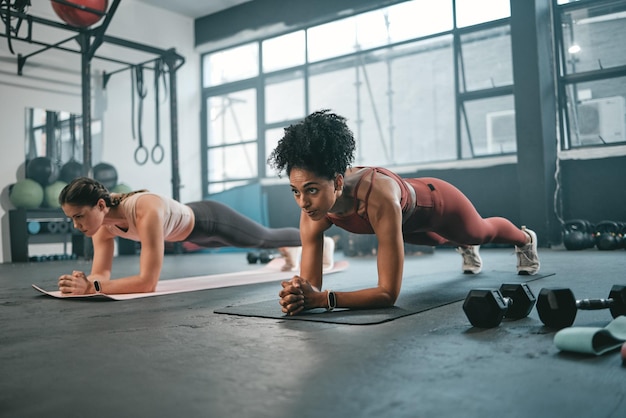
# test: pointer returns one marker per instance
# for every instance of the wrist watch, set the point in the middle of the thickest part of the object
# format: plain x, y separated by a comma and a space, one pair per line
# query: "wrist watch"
332, 300
97, 286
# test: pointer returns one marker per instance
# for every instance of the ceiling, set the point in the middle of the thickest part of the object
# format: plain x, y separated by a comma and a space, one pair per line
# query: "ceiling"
194, 8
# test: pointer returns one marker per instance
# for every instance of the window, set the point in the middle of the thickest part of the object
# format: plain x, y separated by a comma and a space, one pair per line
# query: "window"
283, 51
473, 12
233, 118
489, 127
481, 70
231, 139
230, 65
284, 97
592, 36
592, 78
390, 71
486, 105
407, 20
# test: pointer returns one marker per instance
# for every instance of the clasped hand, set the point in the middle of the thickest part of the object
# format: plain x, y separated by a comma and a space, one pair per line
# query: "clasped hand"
74, 284
296, 295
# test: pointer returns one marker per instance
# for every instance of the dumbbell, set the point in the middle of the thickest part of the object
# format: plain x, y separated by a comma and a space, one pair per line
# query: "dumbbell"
557, 307
485, 308
252, 257
264, 257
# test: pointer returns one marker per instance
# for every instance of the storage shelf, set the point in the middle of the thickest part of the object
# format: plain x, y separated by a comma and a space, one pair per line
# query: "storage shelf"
21, 238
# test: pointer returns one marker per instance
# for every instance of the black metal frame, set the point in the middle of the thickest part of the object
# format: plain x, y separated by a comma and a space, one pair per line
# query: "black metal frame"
89, 40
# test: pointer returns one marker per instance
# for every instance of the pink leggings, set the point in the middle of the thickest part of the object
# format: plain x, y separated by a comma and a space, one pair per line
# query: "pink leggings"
449, 218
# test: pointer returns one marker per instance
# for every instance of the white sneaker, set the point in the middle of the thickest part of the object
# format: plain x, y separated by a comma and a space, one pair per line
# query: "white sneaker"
527, 257
472, 263
292, 257
328, 257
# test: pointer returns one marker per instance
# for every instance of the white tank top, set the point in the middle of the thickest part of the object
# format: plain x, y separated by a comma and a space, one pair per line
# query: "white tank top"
178, 218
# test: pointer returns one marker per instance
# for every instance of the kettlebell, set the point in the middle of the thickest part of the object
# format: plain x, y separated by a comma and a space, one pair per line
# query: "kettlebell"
252, 257
590, 237
607, 238
576, 234
622, 235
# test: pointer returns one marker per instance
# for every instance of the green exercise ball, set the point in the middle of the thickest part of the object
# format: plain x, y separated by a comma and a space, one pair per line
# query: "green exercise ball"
121, 188
26, 194
51, 194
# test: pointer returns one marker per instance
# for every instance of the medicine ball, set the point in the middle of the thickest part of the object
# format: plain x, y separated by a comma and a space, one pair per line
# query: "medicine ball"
51, 194
70, 170
106, 174
42, 170
76, 15
26, 194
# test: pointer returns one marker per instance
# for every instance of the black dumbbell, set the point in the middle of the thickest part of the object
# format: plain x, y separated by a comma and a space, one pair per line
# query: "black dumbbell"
557, 307
485, 308
265, 257
252, 257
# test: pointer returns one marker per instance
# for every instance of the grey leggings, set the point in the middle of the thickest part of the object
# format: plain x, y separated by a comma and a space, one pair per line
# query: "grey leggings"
217, 225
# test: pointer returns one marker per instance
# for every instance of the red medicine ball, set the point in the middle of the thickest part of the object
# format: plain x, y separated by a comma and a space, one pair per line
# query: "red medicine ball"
75, 15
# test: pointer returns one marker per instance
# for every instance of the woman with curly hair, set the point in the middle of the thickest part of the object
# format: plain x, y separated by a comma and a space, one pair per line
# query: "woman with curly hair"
152, 220
317, 154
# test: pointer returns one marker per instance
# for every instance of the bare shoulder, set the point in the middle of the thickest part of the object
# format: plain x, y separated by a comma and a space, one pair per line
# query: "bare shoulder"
149, 203
381, 188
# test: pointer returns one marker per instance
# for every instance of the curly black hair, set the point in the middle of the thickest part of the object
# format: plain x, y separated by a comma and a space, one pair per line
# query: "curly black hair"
321, 143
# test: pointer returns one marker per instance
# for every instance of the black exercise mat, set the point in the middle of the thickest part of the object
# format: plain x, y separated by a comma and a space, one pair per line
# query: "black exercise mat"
414, 298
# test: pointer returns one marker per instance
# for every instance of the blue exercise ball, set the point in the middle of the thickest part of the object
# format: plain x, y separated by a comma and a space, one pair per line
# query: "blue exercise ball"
26, 194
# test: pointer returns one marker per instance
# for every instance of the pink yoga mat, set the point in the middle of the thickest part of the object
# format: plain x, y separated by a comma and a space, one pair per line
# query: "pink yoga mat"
269, 273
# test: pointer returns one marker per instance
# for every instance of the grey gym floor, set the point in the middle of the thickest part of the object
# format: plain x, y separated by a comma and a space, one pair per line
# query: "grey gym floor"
171, 356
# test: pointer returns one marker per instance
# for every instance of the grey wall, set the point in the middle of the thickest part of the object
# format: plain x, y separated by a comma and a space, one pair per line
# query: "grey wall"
594, 189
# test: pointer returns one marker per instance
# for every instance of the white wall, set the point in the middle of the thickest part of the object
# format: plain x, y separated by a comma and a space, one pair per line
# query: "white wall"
51, 80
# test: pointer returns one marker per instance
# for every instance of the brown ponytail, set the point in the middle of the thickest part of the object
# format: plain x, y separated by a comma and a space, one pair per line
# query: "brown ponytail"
85, 191
116, 198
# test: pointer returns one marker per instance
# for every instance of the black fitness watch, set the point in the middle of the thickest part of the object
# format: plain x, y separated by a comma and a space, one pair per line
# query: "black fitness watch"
332, 300
96, 285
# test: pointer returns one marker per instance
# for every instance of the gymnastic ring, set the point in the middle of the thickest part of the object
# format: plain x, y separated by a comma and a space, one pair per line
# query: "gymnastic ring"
160, 153
144, 151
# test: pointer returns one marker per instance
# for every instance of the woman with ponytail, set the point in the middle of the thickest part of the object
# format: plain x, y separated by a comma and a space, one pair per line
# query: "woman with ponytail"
152, 220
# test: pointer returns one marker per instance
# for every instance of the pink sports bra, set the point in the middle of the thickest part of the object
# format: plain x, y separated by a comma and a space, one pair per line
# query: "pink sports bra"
360, 224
